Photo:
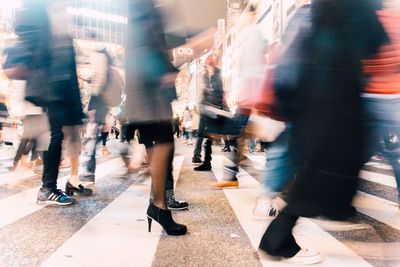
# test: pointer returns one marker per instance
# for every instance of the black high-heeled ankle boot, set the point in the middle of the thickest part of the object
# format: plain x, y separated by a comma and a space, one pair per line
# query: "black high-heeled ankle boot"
80, 190
164, 218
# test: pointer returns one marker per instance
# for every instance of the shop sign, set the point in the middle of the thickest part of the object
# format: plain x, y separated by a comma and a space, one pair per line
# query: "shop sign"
184, 51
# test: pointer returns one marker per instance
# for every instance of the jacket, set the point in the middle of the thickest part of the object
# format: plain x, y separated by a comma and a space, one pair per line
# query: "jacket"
147, 101
52, 80
213, 93
383, 68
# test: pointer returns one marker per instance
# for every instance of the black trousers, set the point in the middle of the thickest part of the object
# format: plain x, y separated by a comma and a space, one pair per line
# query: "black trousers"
278, 239
25, 146
52, 157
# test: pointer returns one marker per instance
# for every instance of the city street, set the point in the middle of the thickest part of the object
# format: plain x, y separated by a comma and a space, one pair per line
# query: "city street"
110, 228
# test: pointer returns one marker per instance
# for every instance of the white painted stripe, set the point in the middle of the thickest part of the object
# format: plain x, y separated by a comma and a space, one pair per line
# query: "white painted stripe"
307, 233
378, 178
12, 177
22, 204
117, 236
124, 221
379, 165
258, 161
380, 209
15, 176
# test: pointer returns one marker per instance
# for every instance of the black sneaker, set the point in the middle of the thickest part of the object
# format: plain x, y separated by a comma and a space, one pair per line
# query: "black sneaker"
174, 204
231, 169
53, 197
196, 160
87, 178
203, 167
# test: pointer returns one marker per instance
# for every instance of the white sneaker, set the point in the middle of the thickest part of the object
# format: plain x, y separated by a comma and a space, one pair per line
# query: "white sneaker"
305, 257
265, 208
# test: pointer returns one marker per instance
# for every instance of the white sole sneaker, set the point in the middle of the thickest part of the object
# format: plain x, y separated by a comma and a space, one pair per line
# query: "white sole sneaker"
305, 257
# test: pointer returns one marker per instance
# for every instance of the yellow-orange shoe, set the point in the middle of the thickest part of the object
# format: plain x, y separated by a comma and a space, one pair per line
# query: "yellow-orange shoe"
225, 184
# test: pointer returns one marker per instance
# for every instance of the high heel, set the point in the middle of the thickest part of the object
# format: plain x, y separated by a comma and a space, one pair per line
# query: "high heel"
164, 218
80, 190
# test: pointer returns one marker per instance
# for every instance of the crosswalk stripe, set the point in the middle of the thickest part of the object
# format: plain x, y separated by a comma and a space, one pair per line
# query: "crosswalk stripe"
378, 178
307, 233
9, 177
12, 177
380, 209
383, 179
23, 203
115, 233
379, 165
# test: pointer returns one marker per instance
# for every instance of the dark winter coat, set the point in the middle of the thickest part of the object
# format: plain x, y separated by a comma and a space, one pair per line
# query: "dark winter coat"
213, 95
146, 64
326, 140
52, 80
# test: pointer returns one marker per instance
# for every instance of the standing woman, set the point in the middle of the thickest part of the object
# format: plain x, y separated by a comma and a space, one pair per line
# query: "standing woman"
213, 96
150, 89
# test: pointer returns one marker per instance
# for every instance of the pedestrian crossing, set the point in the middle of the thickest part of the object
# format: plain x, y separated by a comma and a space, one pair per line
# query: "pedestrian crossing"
115, 233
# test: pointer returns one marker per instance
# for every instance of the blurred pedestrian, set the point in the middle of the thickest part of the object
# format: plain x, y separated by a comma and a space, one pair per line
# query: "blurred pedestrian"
321, 98
100, 62
381, 98
212, 101
52, 83
251, 60
177, 124
188, 124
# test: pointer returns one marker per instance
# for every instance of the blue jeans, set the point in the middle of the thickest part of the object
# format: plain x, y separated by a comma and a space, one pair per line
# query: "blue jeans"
252, 145
91, 164
280, 166
380, 117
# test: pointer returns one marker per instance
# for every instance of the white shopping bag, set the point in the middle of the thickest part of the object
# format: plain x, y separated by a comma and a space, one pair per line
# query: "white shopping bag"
265, 128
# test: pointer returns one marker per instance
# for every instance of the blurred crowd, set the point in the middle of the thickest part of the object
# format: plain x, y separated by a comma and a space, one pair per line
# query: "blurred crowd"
320, 102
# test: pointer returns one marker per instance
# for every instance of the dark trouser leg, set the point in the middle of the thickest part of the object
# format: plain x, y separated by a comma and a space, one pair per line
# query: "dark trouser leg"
35, 154
104, 136
207, 156
29, 146
393, 159
197, 150
170, 178
52, 158
91, 165
21, 149
278, 240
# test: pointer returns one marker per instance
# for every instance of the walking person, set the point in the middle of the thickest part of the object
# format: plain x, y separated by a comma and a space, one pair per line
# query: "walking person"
324, 108
52, 83
187, 125
35, 129
251, 60
177, 123
213, 95
381, 97
100, 63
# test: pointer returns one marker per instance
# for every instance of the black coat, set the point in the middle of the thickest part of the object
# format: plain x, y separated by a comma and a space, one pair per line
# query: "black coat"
326, 139
213, 95
52, 80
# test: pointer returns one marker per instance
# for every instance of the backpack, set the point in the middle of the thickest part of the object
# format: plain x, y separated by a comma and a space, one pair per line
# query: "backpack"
15, 62
113, 88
